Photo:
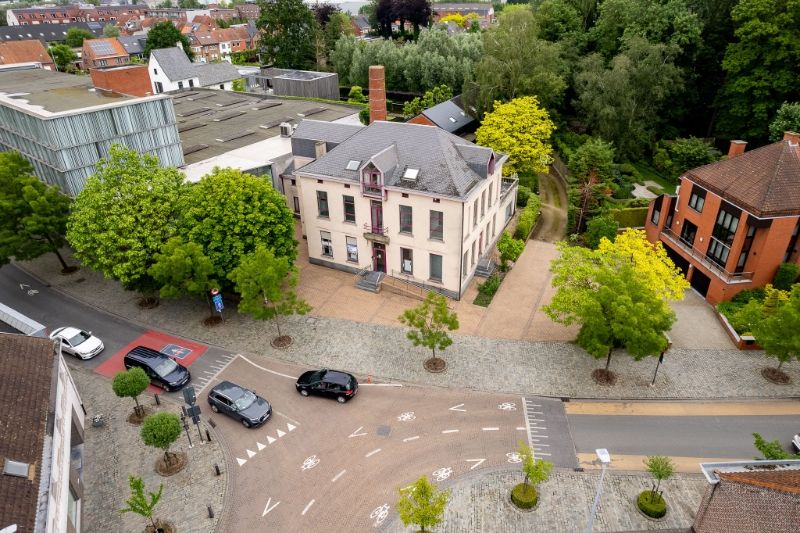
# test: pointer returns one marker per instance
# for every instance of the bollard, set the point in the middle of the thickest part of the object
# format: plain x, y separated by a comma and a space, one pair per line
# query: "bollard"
216, 469
208, 435
158, 400
210, 511
212, 423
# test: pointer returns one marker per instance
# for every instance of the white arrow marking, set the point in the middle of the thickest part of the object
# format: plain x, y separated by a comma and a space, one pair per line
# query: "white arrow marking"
260, 446
268, 508
241, 461
281, 433
356, 433
291, 427
308, 506
456, 408
411, 438
450, 431
476, 461
337, 476
250, 454
270, 440
23, 285
373, 452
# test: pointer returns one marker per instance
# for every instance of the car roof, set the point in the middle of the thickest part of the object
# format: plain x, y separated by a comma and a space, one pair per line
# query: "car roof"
335, 376
229, 390
144, 352
68, 331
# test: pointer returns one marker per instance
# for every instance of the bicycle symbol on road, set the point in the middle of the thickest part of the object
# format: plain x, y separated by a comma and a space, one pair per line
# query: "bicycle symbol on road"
310, 463
514, 457
407, 416
442, 473
380, 514
507, 406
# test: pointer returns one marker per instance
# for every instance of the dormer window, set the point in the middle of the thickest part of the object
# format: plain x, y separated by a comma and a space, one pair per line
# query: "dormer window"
353, 164
411, 174
371, 183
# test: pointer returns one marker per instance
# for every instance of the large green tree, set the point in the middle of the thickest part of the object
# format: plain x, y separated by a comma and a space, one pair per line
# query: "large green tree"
761, 66
166, 35
786, 119
521, 129
287, 33
33, 216
429, 322
161, 430
516, 62
124, 215
181, 268
229, 213
267, 284
779, 331
76, 36
63, 57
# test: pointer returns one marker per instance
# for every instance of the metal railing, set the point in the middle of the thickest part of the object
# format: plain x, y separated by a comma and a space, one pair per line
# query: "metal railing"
719, 271
371, 189
375, 230
507, 185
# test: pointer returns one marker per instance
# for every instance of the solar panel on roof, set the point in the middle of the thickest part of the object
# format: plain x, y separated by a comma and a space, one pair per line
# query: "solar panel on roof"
102, 48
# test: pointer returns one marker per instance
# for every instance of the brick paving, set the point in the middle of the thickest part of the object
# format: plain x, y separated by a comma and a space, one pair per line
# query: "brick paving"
116, 450
481, 503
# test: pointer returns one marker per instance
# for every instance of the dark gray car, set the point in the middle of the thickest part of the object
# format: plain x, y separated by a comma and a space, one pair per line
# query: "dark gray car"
239, 403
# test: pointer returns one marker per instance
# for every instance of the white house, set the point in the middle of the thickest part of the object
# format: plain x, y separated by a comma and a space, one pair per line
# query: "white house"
404, 200
171, 70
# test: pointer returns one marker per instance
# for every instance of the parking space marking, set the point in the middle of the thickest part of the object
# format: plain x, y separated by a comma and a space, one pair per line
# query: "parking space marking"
542, 453
411, 438
337, 476
450, 431
373, 452
308, 506
538, 427
207, 372
268, 508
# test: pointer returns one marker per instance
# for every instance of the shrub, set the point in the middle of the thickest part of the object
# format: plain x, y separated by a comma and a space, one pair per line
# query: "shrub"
652, 504
524, 496
523, 193
490, 286
510, 248
631, 217
623, 191
626, 169
356, 95
527, 218
599, 227
363, 116
747, 295
785, 276
655, 189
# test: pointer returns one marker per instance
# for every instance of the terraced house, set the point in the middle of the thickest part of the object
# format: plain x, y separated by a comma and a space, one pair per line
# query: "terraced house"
732, 223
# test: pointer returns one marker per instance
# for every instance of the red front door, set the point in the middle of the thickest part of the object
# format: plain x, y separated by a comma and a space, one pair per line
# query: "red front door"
378, 257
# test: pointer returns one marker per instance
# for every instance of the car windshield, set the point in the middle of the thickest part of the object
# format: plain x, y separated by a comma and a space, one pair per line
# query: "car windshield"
81, 337
166, 368
245, 401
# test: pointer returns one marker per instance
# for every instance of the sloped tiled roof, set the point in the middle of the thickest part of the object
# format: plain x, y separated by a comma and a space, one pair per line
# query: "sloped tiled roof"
448, 165
787, 481
25, 388
103, 48
216, 73
44, 32
24, 52
764, 181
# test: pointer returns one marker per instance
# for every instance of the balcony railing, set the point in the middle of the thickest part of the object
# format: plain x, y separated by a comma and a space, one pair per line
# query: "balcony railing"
376, 230
716, 269
371, 189
507, 185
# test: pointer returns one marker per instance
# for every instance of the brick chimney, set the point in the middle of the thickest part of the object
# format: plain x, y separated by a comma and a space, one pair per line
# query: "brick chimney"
377, 93
737, 148
792, 137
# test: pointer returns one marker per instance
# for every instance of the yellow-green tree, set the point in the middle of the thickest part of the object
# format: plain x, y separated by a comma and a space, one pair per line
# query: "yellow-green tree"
521, 129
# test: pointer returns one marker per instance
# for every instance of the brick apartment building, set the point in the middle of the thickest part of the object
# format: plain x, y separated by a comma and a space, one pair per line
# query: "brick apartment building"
732, 223
33, 16
99, 53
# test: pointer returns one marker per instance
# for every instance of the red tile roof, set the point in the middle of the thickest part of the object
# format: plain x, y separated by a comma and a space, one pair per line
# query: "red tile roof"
24, 52
765, 181
25, 383
98, 49
787, 481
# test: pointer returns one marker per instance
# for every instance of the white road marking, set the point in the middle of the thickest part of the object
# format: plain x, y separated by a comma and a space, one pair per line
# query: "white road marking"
308, 506
407, 416
207, 372
540, 436
356, 433
291, 427
310, 462
521, 429
410, 438
270, 440
491, 429
440, 474
537, 445
281, 433
241, 462
268, 508
476, 461
538, 427
373, 452
536, 412
527, 422
542, 453
380, 384
295, 422
534, 405
220, 371
260, 446
216, 367
250, 454
450, 431
457, 408
266, 369
337, 476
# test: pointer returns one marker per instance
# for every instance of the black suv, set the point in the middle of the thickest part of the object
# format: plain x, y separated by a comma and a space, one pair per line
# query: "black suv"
239, 403
330, 383
162, 370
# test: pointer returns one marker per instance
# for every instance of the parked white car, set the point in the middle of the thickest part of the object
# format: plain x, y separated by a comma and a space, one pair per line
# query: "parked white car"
77, 342
796, 442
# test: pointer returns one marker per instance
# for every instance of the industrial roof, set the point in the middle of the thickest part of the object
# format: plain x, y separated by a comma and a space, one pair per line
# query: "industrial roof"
213, 122
177, 66
302, 75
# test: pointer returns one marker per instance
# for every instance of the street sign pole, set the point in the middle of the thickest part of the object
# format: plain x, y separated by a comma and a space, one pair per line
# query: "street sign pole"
186, 428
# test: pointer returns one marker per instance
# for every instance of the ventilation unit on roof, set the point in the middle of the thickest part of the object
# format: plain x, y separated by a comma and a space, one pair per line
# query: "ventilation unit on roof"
286, 129
411, 174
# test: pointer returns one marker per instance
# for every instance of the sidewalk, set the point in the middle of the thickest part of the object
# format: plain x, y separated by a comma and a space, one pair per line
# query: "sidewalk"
556, 369
481, 503
115, 451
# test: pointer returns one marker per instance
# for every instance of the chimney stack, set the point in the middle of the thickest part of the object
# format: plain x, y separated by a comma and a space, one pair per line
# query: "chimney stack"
737, 148
377, 93
792, 137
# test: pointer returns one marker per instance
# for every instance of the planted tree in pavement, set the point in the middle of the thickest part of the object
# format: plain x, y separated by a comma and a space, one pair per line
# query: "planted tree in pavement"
161, 430
130, 384
421, 504
182, 269
429, 322
139, 503
661, 468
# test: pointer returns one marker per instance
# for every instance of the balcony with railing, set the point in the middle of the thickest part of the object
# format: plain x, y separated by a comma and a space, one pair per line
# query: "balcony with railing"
507, 185
373, 189
376, 233
700, 257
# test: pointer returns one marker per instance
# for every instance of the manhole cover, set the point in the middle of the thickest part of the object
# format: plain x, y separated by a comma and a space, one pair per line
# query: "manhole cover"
383, 431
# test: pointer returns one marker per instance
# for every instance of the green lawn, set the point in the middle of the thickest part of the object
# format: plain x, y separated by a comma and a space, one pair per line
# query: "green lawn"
646, 172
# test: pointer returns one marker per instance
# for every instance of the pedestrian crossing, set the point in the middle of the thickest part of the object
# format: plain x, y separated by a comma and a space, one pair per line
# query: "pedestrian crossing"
548, 431
534, 422
209, 368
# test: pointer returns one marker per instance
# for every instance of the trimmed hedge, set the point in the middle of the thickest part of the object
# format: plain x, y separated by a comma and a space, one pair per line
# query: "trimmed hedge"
786, 276
630, 217
524, 496
656, 508
528, 217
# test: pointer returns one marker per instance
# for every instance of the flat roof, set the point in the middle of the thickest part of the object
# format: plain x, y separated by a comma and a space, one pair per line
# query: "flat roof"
212, 123
46, 92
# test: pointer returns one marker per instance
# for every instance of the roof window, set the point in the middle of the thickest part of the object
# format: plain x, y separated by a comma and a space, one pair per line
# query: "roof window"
353, 164
410, 174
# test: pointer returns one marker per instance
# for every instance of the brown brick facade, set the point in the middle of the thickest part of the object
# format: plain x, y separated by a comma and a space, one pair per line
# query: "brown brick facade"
131, 79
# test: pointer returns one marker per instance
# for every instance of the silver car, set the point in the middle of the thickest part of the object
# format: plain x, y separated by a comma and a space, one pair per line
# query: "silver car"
77, 342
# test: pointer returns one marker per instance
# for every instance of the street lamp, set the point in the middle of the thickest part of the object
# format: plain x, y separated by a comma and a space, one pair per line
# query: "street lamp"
605, 459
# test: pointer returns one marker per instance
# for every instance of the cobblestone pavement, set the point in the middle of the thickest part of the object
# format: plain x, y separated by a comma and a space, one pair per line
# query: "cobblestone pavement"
115, 451
481, 503
558, 369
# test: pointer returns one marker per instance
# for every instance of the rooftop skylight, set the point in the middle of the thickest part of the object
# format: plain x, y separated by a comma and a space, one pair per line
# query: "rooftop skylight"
410, 174
353, 164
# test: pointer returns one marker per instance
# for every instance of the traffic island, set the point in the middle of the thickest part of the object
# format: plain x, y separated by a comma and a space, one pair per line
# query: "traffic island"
651, 505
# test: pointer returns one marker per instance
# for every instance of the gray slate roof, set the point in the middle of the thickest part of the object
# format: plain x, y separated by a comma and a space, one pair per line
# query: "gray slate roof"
308, 132
177, 66
449, 115
134, 44
47, 33
448, 165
